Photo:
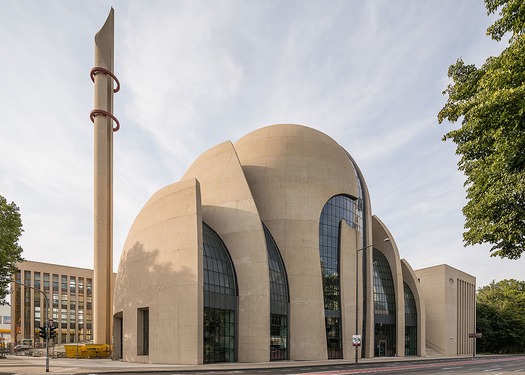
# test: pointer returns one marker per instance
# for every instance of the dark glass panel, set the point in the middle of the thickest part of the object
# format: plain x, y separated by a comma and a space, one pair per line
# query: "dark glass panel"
279, 300
219, 335
220, 299
410, 321
384, 307
336, 209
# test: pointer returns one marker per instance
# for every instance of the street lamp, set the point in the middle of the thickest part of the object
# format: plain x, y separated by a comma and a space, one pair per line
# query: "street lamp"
357, 291
46, 307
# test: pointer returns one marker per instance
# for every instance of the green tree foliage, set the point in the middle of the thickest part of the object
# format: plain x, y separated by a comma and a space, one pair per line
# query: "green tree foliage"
512, 18
10, 250
490, 103
500, 311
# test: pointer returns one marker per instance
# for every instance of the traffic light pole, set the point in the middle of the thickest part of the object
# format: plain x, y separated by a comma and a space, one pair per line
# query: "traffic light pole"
46, 307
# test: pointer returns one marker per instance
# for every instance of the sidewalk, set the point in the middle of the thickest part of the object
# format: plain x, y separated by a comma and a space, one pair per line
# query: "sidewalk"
22, 365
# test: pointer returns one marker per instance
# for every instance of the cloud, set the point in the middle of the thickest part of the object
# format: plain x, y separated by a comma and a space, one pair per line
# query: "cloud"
194, 74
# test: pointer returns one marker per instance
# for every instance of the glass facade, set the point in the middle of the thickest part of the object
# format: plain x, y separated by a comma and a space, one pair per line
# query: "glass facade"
279, 301
27, 304
361, 210
38, 306
336, 209
89, 311
220, 300
384, 307
410, 321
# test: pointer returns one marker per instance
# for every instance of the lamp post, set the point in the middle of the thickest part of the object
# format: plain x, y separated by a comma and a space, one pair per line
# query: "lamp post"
357, 291
46, 308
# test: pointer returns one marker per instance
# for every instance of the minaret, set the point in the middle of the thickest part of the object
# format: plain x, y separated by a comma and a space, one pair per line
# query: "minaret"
104, 125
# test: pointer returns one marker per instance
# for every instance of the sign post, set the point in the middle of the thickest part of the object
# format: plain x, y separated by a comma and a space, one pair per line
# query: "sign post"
474, 336
356, 343
46, 312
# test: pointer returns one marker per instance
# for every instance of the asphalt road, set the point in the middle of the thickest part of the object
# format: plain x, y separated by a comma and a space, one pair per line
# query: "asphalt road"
486, 365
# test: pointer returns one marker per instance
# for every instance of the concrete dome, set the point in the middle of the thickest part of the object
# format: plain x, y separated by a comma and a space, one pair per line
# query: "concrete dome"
289, 165
274, 181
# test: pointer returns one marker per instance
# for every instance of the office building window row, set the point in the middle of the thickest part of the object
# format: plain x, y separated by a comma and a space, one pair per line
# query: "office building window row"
66, 309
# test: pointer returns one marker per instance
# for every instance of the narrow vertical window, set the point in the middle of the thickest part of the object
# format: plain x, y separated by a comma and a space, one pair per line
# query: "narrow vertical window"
37, 304
27, 305
89, 309
143, 331
410, 321
384, 307
220, 299
279, 301
338, 208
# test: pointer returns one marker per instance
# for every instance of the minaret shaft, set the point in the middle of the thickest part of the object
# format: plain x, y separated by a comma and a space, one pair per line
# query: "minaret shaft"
103, 187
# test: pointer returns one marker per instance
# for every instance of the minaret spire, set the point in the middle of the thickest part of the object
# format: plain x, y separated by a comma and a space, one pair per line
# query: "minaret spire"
103, 120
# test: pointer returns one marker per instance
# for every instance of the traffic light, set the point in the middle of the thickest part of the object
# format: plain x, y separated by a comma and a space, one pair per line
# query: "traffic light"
52, 332
42, 332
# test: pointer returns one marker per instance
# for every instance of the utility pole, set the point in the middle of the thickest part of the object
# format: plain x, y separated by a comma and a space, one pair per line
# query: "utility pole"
46, 308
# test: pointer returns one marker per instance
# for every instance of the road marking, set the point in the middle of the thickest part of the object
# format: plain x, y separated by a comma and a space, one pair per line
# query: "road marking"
399, 366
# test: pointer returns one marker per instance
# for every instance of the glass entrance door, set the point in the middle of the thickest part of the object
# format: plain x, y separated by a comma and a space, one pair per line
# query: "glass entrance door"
382, 348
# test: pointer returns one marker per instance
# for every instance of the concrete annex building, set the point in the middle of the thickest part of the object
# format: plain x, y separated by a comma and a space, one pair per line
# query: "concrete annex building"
257, 254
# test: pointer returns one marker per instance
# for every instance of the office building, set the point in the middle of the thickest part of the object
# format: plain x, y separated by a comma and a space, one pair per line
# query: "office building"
69, 294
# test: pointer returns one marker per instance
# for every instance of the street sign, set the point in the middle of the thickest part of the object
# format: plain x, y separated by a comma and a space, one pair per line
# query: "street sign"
356, 340
475, 335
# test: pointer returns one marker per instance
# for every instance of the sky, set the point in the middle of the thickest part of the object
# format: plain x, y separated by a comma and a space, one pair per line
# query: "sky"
193, 74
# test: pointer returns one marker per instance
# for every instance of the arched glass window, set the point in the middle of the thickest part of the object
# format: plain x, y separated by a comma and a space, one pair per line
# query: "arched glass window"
361, 215
220, 299
336, 209
279, 301
410, 321
384, 307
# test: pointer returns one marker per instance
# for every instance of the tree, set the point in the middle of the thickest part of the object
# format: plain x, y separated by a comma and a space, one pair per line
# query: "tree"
500, 317
10, 250
490, 103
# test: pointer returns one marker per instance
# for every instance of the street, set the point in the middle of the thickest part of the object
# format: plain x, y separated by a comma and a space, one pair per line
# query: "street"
487, 365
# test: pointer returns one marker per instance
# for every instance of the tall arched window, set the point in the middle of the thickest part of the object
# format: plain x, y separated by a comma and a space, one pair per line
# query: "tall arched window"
336, 209
279, 301
410, 321
384, 307
220, 299
361, 215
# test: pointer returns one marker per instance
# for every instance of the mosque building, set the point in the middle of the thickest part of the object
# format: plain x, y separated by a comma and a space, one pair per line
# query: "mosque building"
267, 249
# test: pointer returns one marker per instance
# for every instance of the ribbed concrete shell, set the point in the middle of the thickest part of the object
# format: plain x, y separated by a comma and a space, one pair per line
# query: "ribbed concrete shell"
409, 277
228, 207
292, 172
282, 176
389, 250
161, 269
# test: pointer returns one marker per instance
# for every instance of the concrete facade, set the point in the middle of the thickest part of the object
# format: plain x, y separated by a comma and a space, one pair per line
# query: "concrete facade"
277, 180
159, 270
103, 184
450, 301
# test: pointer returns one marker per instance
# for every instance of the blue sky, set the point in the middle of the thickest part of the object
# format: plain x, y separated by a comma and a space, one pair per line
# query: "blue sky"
370, 74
